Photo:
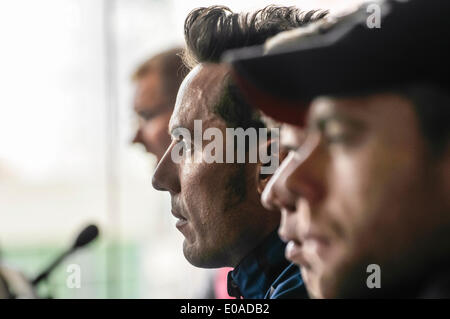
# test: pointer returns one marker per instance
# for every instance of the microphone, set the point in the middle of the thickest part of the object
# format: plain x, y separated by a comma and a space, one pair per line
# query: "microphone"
87, 235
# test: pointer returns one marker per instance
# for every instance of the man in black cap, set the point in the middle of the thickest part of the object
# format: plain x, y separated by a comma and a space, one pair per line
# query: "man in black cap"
365, 193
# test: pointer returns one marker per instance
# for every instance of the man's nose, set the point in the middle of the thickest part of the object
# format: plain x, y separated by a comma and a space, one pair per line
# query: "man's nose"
137, 137
306, 177
165, 177
275, 195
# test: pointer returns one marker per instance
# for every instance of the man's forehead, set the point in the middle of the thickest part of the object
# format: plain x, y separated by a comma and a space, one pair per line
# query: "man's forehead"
149, 91
200, 91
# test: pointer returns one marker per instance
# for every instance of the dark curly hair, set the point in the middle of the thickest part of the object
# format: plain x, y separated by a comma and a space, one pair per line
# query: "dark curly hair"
211, 31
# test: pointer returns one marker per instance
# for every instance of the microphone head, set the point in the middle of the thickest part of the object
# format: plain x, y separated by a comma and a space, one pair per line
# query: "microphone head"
86, 236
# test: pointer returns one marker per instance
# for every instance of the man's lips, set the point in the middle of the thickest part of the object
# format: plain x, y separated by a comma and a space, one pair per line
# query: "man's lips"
181, 219
294, 253
295, 249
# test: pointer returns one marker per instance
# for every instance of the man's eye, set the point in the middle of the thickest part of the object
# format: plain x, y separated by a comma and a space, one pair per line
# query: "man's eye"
146, 116
186, 143
333, 131
179, 139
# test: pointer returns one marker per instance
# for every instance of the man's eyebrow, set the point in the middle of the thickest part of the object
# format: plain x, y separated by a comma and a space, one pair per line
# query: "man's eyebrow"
143, 107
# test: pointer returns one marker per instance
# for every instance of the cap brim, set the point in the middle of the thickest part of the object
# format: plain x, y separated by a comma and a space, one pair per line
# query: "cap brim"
280, 109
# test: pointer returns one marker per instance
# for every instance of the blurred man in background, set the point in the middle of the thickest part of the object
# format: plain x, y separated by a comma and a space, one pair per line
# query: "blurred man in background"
157, 82
365, 196
217, 203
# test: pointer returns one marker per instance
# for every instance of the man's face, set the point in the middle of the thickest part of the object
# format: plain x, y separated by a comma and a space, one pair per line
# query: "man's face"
217, 204
152, 104
361, 189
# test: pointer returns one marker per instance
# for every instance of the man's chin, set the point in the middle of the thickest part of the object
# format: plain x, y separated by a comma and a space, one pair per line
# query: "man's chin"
193, 261
201, 259
319, 284
193, 256
311, 281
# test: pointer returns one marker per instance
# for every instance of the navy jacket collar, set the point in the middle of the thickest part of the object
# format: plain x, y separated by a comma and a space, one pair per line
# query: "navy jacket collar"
253, 277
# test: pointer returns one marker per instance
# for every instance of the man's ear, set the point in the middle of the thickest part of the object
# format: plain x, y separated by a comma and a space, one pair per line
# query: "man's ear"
263, 179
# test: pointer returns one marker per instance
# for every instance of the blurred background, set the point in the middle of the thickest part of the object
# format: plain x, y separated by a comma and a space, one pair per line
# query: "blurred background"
66, 158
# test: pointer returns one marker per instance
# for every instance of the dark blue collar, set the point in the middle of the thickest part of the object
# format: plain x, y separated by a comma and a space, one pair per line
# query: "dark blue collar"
254, 275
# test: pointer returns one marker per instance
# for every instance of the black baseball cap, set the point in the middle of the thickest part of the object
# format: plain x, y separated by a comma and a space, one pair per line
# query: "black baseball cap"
346, 55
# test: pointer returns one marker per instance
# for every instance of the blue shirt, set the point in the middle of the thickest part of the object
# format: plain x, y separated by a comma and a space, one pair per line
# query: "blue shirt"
265, 273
